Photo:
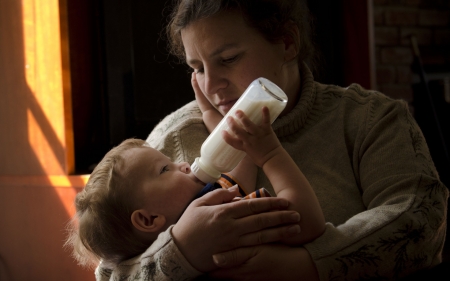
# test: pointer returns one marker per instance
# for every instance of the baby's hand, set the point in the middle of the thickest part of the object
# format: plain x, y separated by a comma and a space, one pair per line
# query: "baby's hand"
258, 141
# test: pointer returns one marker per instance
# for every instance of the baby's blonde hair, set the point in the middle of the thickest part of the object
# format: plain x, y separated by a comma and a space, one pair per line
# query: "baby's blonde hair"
101, 228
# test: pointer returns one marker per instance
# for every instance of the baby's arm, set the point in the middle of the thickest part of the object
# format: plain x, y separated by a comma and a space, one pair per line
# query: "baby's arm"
245, 171
263, 147
245, 174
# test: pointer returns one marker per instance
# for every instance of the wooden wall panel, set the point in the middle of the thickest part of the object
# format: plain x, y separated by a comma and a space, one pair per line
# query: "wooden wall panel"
32, 112
34, 212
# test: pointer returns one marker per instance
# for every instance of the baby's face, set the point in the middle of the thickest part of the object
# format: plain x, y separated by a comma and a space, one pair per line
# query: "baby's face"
165, 187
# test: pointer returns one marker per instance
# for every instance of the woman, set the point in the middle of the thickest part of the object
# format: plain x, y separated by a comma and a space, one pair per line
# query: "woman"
362, 152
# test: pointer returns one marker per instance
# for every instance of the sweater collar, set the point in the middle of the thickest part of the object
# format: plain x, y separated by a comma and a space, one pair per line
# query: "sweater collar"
296, 118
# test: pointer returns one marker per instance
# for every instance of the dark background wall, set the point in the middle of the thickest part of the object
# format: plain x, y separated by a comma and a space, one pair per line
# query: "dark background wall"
124, 82
398, 72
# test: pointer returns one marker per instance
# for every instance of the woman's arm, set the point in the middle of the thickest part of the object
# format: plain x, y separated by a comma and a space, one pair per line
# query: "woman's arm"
266, 262
263, 147
403, 227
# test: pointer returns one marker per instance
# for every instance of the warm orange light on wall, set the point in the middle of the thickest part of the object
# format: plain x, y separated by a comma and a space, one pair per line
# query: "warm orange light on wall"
35, 135
43, 63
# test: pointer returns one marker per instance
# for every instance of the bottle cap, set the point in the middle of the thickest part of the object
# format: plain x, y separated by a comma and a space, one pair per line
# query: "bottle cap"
201, 172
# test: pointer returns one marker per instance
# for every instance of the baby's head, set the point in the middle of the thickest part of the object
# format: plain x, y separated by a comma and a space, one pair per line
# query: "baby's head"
132, 195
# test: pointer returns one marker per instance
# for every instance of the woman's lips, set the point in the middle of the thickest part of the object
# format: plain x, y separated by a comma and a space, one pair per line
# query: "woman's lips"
226, 106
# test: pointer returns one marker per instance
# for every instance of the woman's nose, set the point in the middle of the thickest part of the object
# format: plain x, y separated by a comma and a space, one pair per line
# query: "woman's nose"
214, 82
185, 167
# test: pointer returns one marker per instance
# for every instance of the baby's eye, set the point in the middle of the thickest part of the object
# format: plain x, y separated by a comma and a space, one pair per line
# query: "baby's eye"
164, 169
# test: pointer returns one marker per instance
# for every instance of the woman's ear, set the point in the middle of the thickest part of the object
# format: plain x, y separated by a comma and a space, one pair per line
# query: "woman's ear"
146, 222
291, 42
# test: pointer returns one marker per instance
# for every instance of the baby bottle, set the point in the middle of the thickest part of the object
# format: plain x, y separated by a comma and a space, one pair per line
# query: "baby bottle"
216, 156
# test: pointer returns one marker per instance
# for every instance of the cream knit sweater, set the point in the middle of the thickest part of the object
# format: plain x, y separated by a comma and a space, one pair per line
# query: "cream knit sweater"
370, 167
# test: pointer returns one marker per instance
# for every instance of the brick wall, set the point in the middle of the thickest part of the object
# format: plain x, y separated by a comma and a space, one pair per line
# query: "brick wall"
395, 21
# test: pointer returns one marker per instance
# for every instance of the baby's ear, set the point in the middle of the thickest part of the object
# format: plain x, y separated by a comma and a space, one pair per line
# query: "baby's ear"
146, 222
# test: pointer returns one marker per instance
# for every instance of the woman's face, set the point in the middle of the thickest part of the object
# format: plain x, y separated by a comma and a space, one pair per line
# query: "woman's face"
227, 55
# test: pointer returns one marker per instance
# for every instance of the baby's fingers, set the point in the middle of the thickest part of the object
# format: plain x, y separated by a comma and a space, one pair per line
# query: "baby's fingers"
265, 116
231, 140
236, 128
246, 123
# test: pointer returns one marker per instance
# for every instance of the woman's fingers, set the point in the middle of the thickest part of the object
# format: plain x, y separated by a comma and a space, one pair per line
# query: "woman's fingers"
217, 197
245, 208
212, 225
202, 101
268, 235
195, 84
269, 219
254, 219
235, 257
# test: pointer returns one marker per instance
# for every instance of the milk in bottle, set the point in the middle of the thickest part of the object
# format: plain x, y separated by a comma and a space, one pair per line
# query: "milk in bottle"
216, 156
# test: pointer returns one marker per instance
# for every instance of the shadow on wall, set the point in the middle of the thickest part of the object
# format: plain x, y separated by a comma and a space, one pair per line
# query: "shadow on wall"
5, 274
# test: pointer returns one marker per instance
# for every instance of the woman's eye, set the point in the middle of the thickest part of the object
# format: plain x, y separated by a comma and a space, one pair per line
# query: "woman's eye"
230, 60
164, 169
200, 70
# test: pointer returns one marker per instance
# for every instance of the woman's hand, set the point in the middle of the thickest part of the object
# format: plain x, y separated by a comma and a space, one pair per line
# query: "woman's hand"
259, 262
202, 101
208, 226
211, 116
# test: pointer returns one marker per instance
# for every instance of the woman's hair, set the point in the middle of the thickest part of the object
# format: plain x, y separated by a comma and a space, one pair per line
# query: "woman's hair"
101, 228
270, 17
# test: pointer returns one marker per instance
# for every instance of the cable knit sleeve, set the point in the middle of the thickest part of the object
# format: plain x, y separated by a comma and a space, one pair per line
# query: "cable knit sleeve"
403, 227
161, 261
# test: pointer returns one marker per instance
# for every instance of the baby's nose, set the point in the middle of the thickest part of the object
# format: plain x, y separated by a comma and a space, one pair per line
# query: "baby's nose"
185, 167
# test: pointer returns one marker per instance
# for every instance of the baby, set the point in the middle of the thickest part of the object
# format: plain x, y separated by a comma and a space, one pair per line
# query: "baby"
136, 192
